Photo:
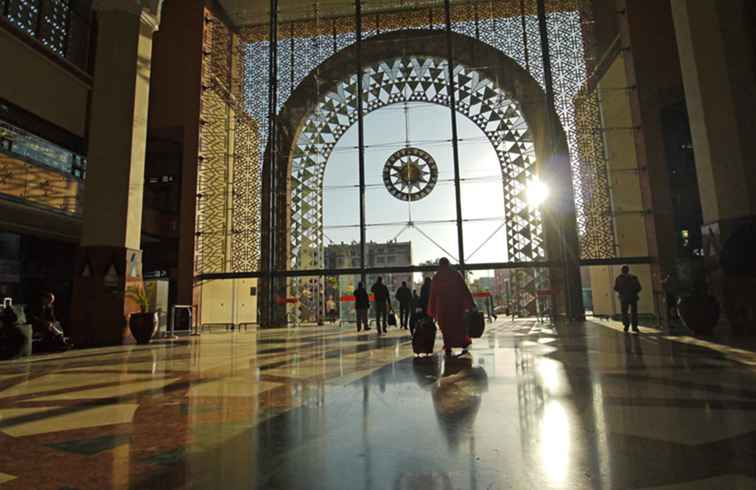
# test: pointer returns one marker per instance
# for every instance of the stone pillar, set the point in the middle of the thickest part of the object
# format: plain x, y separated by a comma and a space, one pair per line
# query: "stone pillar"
110, 257
649, 58
716, 46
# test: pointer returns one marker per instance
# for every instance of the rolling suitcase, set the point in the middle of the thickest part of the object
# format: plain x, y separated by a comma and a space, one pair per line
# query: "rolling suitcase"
474, 323
425, 336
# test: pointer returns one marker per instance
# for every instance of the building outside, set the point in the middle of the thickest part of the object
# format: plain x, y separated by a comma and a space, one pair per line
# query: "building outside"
341, 255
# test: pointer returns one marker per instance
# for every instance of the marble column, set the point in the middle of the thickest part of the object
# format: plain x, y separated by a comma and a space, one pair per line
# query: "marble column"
110, 259
716, 46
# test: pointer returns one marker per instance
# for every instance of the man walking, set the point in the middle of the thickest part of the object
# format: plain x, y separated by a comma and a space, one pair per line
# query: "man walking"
361, 306
404, 297
381, 304
627, 287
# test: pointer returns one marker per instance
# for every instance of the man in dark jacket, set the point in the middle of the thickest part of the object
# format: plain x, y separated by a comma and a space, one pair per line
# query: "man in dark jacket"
381, 304
627, 287
404, 297
361, 305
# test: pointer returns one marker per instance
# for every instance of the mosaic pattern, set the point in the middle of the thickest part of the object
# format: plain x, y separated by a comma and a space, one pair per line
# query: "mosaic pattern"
597, 237
416, 79
227, 236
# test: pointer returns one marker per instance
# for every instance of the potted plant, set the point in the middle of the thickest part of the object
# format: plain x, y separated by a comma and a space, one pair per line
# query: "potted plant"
143, 324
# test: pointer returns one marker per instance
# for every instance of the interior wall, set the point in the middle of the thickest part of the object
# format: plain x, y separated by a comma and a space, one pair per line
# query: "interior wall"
627, 199
39, 85
653, 68
605, 300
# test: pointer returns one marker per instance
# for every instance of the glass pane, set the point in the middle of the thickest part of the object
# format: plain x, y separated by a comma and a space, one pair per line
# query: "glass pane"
341, 206
304, 300
339, 294
403, 245
485, 241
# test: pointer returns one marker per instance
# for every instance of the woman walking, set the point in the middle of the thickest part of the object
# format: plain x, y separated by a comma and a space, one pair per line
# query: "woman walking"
449, 299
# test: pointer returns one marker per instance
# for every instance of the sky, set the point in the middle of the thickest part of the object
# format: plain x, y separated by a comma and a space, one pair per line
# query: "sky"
434, 232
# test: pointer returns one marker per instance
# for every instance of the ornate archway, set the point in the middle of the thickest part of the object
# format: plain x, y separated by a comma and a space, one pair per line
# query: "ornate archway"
499, 96
412, 78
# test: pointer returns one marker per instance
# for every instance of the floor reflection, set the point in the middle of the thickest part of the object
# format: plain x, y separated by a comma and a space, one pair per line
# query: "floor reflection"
576, 407
457, 396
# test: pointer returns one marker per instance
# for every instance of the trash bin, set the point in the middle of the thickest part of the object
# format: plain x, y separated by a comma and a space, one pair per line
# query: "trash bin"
181, 319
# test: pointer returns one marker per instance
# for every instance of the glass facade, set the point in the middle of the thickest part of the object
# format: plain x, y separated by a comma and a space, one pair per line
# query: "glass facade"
467, 130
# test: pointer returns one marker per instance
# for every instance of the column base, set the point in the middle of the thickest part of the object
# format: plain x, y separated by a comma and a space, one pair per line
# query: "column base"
100, 308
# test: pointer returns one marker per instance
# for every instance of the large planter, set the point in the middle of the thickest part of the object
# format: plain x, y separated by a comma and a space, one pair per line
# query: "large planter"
143, 326
699, 313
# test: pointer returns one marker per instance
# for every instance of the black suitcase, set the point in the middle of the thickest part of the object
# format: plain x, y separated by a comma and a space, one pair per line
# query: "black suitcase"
474, 323
391, 319
425, 336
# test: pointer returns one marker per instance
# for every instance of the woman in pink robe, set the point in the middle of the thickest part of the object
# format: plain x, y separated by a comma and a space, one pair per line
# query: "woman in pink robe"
449, 299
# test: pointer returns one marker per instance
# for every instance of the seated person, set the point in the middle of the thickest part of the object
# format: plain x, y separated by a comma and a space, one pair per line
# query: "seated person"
45, 325
12, 339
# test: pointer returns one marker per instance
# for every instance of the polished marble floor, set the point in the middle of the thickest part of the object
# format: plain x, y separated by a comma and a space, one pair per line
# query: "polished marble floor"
584, 406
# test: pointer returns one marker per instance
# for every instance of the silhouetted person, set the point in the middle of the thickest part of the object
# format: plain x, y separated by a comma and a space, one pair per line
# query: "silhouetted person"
449, 299
46, 326
381, 304
671, 290
404, 297
361, 305
12, 339
420, 304
414, 310
331, 309
425, 291
490, 309
628, 286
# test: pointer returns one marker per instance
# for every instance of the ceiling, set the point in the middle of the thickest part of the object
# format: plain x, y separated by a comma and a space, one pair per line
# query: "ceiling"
253, 12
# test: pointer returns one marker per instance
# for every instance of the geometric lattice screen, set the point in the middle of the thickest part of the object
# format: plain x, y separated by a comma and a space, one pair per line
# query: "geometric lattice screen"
229, 178
415, 79
235, 103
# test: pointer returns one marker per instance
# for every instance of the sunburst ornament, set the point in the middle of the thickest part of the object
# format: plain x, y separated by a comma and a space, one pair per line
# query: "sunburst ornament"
410, 174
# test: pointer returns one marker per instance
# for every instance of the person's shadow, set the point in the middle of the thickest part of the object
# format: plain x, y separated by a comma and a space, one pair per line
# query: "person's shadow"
633, 352
457, 389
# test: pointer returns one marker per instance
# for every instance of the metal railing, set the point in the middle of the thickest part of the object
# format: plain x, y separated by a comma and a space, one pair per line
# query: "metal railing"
15, 141
35, 171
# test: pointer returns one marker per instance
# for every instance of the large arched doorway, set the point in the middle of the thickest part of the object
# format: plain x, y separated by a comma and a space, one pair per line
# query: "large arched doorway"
413, 78
490, 89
